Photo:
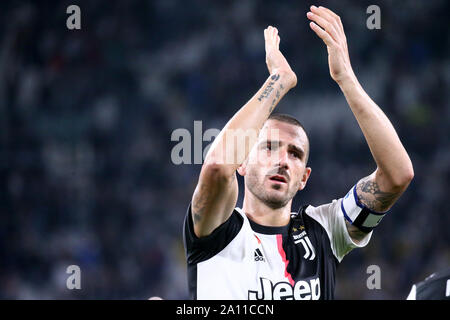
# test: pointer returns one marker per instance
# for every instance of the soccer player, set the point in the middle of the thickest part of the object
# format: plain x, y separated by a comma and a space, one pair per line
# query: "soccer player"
434, 287
263, 250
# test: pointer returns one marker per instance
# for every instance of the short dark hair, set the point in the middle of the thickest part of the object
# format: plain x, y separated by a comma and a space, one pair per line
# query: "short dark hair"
291, 120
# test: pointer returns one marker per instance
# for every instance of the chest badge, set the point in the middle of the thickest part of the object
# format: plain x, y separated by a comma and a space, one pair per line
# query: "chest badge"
299, 235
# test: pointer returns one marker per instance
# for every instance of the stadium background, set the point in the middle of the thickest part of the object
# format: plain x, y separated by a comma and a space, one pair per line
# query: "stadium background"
86, 118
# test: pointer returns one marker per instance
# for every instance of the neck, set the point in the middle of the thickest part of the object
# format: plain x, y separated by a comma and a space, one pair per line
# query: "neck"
264, 215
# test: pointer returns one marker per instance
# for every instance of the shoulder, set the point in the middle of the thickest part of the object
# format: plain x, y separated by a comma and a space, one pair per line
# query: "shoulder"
203, 248
325, 214
331, 216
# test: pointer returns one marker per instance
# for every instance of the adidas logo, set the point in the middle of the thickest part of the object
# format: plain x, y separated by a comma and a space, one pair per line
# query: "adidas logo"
258, 255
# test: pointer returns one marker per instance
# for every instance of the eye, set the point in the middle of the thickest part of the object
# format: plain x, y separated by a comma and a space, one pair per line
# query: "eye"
296, 154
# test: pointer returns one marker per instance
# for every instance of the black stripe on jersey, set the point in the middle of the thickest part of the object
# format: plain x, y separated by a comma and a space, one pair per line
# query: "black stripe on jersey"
325, 263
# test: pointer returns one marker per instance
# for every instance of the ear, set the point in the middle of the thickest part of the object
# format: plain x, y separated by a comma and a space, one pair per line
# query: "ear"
305, 178
242, 168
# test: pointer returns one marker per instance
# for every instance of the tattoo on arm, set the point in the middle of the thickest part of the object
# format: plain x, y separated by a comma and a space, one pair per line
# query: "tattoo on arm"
356, 234
199, 204
277, 97
197, 218
269, 87
274, 101
370, 195
272, 106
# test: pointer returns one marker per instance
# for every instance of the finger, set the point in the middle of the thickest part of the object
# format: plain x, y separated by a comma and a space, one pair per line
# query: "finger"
331, 13
324, 24
270, 31
325, 36
272, 34
268, 34
331, 18
339, 24
276, 38
336, 17
266, 37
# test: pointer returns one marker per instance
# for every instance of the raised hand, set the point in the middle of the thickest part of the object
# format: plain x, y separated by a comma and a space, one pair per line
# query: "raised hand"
276, 62
328, 26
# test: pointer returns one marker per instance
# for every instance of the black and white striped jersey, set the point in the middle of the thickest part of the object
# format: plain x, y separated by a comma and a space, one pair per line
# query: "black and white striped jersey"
434, 287
242, 260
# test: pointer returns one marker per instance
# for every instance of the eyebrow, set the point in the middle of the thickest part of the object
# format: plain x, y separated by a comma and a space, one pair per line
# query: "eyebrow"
291, 146
298, 150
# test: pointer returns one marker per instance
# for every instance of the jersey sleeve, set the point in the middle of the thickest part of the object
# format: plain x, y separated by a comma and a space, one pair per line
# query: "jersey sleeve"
203, 248
331, 217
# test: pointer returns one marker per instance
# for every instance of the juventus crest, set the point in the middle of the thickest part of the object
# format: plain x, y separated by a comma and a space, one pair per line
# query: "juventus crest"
299, 235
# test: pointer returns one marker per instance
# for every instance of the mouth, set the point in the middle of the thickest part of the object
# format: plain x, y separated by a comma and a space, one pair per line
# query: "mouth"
278, 179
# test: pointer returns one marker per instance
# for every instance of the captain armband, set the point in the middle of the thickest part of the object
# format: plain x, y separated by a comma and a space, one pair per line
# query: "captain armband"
358, 214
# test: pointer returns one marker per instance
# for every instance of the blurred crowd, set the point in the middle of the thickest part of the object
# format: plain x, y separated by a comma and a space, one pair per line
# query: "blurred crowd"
86, 117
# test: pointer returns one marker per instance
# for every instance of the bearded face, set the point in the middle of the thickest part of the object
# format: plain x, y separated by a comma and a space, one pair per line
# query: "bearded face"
276, 167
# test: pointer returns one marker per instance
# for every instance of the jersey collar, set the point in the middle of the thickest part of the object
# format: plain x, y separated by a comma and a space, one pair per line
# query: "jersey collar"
268, 229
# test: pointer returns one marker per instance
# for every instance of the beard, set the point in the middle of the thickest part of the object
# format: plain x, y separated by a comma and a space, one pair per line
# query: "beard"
272, 196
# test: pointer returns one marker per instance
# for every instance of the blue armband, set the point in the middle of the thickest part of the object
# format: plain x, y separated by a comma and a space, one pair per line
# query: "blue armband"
358, 214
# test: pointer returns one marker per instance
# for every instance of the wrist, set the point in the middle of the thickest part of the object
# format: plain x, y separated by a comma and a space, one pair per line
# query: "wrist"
287, 76
348, 82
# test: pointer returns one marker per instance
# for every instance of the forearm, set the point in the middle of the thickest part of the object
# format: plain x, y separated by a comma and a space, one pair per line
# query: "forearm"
387, 150
394, 165
237, 138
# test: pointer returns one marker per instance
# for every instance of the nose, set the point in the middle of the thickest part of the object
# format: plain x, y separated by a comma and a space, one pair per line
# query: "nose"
282, 160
